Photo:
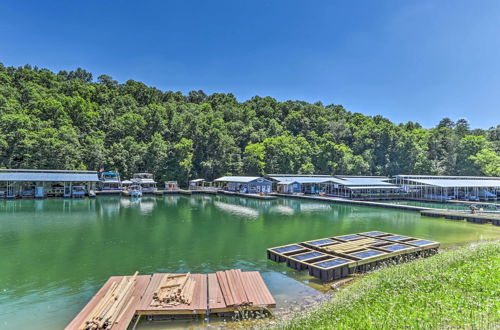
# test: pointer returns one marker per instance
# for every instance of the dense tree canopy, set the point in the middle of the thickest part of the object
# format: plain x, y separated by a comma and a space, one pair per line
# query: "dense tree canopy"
69, 120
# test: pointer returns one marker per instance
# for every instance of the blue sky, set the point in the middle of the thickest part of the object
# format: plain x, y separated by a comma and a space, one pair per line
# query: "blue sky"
406, 60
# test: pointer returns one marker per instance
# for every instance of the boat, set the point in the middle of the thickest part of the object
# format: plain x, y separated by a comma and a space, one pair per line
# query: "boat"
135, 190
146, 181
110, 181
78, 191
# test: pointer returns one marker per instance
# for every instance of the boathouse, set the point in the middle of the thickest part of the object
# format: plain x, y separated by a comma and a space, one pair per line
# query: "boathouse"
445, 188
363, 187
16, 183
344, 186
196, 184
300, 183
244, 184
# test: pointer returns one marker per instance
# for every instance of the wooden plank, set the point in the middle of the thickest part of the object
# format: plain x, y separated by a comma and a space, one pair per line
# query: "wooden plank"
215, 296
198, 303
128, 312
259, 293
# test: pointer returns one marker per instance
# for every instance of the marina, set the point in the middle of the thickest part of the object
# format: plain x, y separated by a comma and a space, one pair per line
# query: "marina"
175, 233
333, 258
160, 296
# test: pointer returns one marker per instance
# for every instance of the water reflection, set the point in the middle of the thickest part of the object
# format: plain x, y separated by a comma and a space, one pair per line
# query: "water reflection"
237, 210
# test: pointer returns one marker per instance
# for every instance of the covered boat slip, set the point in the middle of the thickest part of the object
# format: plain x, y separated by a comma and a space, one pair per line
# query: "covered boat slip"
164, 296
448, 188
19, 183
332, 258
244, 184
351, 187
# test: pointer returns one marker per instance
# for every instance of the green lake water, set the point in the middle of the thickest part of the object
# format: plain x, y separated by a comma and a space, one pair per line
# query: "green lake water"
56, 253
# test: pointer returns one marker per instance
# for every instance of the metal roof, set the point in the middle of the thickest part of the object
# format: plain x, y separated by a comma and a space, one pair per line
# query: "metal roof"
197, 180
368, 181
373, 187
344, 180
451, 177
244, 179
49, 176
305, 179
287, 182
300, 175
140, 180
448, 183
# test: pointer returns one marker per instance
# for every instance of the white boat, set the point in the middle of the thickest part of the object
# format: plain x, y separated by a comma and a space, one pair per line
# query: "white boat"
110, 181
135, 190
146, 181
78, 191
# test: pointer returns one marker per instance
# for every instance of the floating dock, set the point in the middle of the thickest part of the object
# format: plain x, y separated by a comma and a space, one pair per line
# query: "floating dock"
480, 218
122, 300
336, 257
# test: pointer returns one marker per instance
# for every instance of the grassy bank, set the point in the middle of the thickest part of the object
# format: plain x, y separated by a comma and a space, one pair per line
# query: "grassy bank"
455, 289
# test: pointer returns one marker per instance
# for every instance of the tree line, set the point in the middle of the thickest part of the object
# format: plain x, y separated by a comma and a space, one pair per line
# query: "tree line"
69, 120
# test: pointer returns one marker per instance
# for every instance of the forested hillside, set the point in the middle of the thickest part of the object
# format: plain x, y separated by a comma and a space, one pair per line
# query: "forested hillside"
69, 120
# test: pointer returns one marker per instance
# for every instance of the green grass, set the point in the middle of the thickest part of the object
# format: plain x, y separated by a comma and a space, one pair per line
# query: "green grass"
455, 289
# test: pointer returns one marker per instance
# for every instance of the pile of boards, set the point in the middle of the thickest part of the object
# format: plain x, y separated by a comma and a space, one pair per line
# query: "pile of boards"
112, 306
173, 290
233, 290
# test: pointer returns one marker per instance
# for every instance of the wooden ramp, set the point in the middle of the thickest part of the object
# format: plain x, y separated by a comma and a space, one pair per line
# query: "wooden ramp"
129, 308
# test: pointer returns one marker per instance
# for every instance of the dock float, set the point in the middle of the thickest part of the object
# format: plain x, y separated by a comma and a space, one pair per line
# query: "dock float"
332, 258
125, 299
479, 218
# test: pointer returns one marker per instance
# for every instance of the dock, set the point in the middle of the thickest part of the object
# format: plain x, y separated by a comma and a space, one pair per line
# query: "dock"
125, 299
332, 258
108, 192
97, 305
469, 203
355, 202
477, 217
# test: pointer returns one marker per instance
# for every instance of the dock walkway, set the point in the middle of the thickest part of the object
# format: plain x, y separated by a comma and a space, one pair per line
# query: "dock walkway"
356, 202
487, 204
480, 218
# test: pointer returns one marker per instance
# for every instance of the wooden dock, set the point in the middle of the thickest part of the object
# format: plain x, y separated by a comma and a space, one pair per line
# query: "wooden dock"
125, 315
480, 218
336, 257
198, 295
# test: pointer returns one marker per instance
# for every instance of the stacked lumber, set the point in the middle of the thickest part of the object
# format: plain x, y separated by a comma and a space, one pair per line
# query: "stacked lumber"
233, 288
349, 246
112, 306
174, 290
